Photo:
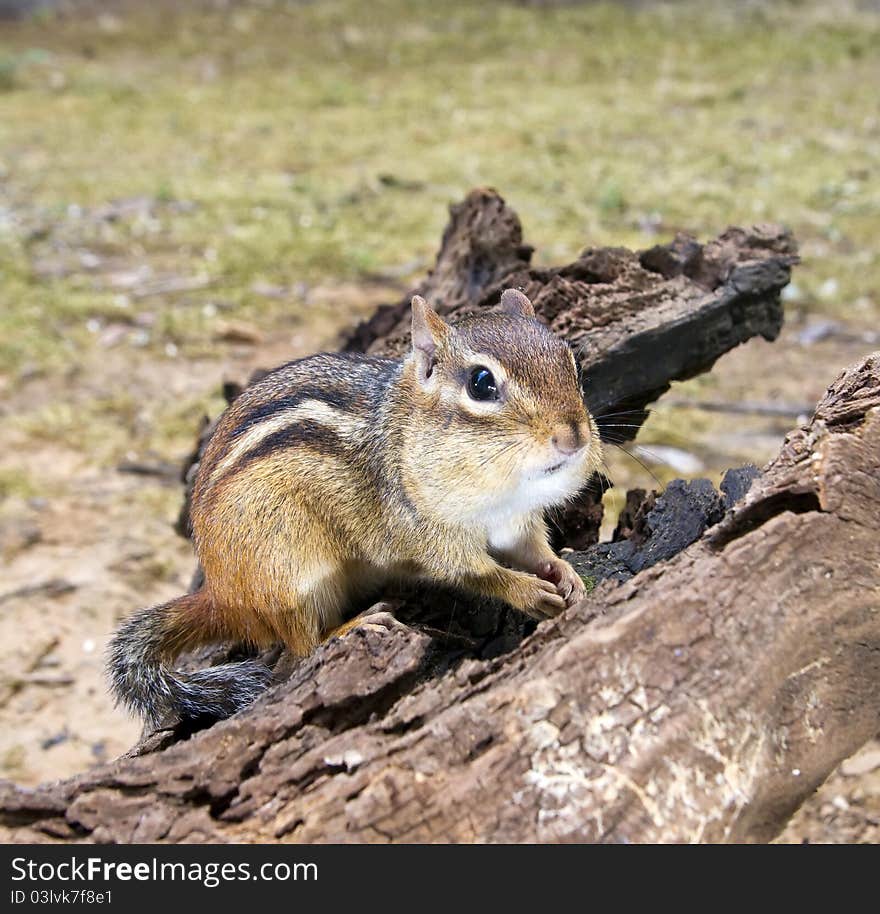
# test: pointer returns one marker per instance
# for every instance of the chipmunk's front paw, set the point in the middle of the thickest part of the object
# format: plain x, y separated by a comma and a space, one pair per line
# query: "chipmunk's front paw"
567, 581
536, 597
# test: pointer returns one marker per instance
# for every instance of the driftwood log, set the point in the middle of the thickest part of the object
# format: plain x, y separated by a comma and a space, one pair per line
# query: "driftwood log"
701, 699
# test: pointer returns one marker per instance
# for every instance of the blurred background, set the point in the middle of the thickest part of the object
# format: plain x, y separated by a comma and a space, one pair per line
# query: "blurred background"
192, 190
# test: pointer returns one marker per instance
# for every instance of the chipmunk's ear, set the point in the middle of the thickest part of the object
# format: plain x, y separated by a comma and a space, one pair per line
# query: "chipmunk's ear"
515, 303
429, 331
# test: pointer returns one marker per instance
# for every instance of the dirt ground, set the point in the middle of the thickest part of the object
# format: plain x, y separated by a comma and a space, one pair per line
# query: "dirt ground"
155, 241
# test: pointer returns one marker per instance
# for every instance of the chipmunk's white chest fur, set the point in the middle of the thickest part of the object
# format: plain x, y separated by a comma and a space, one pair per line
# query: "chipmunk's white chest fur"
506, 519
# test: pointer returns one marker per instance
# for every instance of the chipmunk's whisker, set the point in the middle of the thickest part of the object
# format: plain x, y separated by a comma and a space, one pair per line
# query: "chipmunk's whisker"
642, 449
624, 412
641, 463
497, 454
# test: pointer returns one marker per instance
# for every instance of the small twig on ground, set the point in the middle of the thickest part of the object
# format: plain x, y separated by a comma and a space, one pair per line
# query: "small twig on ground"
52, 587
746, 407
162, 469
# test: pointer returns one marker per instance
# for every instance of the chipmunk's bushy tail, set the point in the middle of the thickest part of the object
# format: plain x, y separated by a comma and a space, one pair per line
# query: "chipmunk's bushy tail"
149, 639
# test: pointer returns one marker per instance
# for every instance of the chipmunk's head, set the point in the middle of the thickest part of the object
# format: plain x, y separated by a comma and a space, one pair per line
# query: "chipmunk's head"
499, 423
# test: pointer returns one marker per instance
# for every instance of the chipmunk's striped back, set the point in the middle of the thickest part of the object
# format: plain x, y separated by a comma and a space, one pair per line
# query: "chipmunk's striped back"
324, 402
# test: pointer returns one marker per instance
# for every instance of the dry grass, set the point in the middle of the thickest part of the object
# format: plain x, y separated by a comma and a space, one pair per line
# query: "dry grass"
279, 143
165, 171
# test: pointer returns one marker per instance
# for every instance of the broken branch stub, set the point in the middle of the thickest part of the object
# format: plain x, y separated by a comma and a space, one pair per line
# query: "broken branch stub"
637, 320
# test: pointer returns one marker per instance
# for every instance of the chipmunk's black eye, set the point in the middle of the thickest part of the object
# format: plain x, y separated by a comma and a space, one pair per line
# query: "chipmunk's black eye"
481, 384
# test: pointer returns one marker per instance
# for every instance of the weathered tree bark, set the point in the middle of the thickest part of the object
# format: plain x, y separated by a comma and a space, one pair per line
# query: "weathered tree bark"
702, 700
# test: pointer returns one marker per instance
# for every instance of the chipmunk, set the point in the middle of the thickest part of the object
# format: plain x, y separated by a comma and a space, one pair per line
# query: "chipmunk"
338, 472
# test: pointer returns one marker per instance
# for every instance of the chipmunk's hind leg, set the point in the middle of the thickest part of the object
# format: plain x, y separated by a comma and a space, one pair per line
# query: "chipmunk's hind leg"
378, 616
317, 600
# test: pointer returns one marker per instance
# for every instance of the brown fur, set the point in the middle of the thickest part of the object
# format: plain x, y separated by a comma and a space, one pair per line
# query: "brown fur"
337, 473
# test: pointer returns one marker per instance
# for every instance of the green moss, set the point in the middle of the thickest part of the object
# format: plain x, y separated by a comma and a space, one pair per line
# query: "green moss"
589, 582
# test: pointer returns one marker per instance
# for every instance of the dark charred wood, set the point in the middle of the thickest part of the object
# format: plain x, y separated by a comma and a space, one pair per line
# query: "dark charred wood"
637, 321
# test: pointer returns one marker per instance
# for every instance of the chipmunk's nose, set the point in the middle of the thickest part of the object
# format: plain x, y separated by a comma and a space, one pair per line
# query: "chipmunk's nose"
570, 437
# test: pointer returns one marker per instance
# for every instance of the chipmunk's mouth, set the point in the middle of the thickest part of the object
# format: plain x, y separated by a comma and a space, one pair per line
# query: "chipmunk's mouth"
566, 462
